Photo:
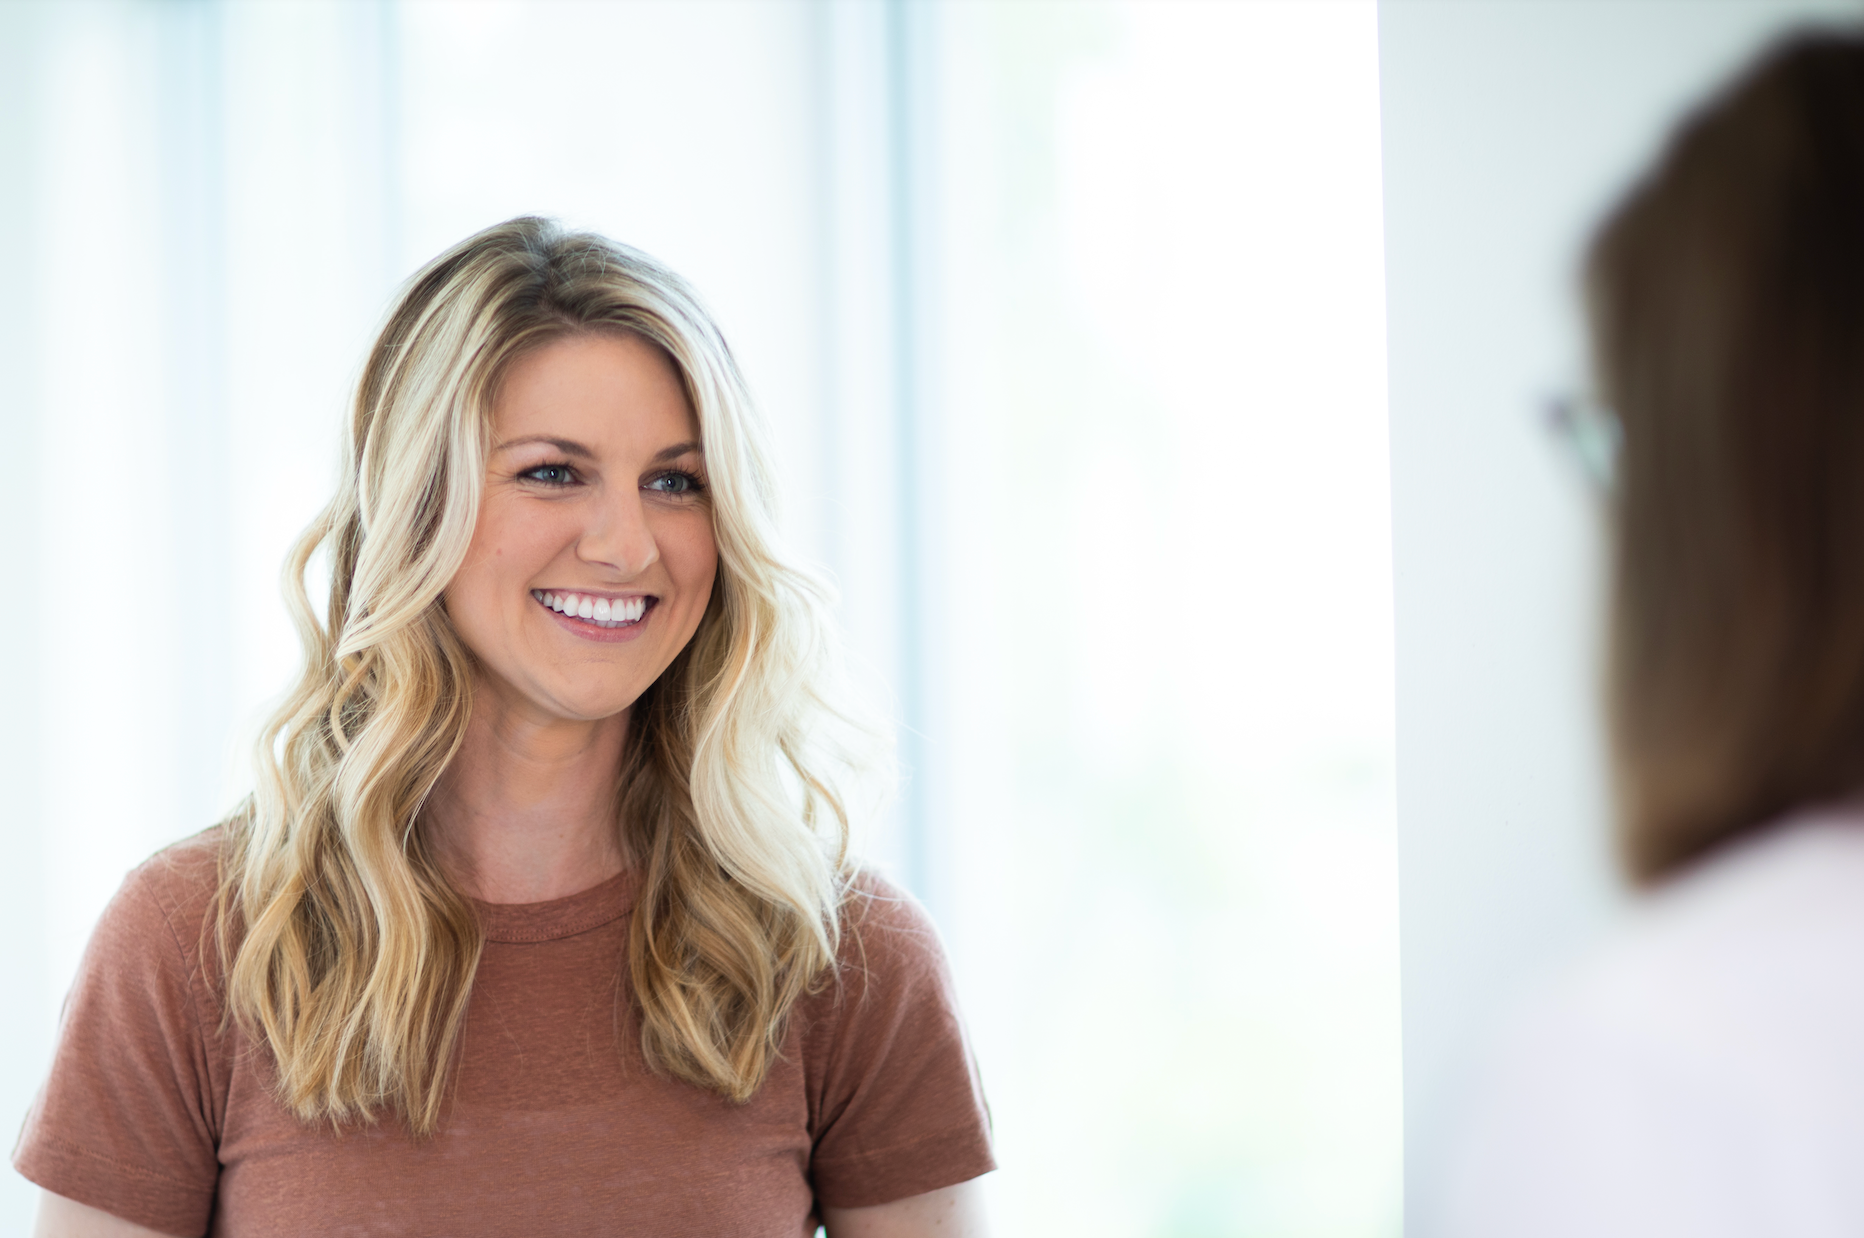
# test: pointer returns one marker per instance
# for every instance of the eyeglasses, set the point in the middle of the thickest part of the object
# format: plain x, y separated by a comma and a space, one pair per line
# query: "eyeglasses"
1590, 434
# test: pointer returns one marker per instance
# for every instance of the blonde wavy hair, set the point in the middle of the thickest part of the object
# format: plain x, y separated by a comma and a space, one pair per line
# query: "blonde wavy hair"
351, 953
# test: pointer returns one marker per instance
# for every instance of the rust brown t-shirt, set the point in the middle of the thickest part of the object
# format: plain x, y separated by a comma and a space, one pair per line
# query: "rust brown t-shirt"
556, 1125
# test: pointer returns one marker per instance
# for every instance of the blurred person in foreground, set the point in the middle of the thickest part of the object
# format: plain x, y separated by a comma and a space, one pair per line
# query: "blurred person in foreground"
1704, 1073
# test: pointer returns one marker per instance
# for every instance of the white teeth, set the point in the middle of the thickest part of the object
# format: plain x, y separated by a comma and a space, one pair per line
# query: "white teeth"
608, 613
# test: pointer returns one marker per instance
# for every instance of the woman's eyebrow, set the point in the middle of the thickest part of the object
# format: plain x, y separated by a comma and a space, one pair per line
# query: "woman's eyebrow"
569, 447
675, 452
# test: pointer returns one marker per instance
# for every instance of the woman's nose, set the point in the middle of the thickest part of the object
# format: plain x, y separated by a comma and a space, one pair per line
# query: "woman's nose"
619, 536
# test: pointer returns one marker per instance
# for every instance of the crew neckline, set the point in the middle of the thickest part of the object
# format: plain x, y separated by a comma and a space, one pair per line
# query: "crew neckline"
518, 923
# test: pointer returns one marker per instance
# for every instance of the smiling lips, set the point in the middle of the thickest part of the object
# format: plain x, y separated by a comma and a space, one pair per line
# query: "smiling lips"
603, 612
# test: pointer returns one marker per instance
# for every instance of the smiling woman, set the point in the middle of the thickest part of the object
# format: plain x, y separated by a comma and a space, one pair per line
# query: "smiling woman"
541, 916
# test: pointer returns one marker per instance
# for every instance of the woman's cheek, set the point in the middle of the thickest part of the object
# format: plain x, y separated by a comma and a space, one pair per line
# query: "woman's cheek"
688, 549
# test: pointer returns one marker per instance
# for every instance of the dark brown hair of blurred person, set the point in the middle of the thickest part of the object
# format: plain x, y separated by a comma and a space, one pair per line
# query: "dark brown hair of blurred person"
1726, 296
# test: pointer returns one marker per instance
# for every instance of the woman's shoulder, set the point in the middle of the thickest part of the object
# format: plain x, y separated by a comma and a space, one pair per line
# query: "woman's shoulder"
162, 914
886, 934
872, 900
186, 867
179, 882
1745, 959
1766, 931
888, 958
129, 1114
896, 1106
1720, 1024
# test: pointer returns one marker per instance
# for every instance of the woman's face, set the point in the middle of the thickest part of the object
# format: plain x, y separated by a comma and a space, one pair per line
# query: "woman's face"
593, 557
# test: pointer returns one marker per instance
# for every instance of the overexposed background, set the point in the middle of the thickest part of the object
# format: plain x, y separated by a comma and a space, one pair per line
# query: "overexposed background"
1070, 319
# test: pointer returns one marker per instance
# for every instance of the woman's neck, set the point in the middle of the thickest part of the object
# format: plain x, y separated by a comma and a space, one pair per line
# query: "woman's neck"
525, 812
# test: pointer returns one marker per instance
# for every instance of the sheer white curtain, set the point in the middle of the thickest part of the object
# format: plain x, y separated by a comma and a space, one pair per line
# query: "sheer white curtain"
1069, 318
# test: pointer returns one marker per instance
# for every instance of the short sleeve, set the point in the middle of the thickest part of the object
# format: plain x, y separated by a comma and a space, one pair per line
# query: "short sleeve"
898, 1107
124, 1121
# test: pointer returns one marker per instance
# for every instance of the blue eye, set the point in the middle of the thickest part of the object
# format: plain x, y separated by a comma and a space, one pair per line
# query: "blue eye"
676, 483
551, 474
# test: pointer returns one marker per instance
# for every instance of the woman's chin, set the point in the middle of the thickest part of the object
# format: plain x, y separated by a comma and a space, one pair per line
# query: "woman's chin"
587, 708
548, 702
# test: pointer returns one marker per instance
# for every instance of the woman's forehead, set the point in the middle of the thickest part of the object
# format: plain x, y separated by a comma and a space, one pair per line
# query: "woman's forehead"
598, 391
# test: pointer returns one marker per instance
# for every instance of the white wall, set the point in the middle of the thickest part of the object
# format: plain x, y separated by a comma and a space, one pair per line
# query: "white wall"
1508, 126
